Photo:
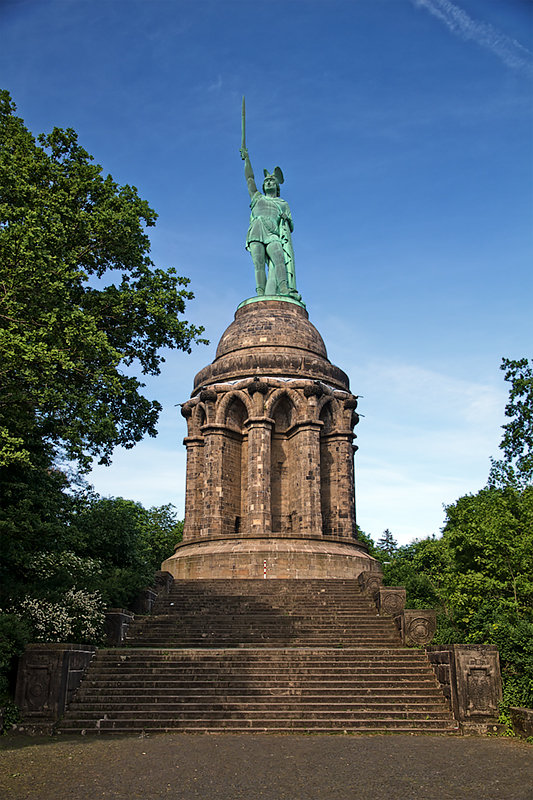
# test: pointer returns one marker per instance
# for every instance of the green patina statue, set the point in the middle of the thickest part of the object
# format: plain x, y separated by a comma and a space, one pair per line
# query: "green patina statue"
269, 234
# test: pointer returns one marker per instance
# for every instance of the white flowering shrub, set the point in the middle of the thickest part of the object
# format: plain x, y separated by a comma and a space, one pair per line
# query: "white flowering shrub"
86, 613
50, 621
48, 565
79, 617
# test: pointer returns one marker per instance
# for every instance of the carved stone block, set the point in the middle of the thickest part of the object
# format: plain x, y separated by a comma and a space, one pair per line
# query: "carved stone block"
475, 681
370, 583
391, 601
522, 719
117, 622
418, 625
162, 582
48, 675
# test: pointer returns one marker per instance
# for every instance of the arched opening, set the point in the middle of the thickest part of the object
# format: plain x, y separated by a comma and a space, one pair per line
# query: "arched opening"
282, 472
234, 466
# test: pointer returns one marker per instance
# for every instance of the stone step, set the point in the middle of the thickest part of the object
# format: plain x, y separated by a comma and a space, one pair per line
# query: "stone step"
225, 712
385, 725
107, 693
277, 656
252, 712
366, 689
344, 729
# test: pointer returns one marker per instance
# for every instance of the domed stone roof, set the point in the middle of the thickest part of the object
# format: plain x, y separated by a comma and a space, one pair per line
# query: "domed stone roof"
271, 337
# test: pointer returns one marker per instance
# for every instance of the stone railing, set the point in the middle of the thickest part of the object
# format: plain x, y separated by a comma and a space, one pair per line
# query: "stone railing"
468, 674
417, 626
118, 620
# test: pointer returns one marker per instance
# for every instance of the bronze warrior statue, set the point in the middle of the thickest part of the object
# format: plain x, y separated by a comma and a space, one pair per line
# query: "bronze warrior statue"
269, 234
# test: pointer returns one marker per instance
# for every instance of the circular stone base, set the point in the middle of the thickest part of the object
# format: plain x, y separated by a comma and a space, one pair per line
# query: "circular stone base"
285, 558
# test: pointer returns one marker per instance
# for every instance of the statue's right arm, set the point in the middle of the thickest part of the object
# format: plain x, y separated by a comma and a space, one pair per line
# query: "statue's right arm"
248, 172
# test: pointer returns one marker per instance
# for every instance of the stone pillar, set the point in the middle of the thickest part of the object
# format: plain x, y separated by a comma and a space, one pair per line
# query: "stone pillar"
307, 436
259, 516
342, 517
117, 622
211, 523
194, 487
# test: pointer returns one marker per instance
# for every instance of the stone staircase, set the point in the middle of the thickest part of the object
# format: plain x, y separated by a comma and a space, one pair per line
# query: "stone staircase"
250, 655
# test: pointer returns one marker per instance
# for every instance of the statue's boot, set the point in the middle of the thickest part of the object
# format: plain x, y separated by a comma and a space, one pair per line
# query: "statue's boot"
260, 280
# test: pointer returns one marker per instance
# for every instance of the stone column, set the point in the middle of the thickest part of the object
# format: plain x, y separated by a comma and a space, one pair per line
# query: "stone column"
343, 489
211, 520
259, 515
307, 437
194, 487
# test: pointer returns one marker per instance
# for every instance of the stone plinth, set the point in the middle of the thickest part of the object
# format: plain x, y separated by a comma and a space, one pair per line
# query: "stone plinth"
270, 473
285, 558
391, 600
418, 626
470, 677
48, 675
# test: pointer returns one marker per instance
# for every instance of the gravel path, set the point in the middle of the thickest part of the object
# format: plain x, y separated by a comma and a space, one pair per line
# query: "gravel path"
263, 767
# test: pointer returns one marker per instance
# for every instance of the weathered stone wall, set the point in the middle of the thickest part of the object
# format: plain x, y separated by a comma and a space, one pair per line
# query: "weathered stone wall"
269, 444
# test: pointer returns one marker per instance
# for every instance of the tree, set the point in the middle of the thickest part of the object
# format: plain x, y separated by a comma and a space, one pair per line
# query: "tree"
479, 578
516, 468
387, 543
80, 302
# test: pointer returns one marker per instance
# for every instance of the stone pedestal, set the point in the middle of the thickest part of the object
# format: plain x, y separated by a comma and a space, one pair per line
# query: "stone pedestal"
391, 600
116, 625
48, 675
270, 473
470, 677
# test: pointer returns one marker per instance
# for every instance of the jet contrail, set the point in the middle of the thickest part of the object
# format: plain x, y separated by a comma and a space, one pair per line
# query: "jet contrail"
460, 23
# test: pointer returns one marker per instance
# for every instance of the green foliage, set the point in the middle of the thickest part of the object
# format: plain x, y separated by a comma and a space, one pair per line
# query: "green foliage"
387, 543
479, 578
82, 306
15, 634
516, 468
81, 300
367, 541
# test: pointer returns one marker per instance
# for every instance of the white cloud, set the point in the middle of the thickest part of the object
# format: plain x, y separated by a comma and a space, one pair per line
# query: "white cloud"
148, 474
425, 442
508, 50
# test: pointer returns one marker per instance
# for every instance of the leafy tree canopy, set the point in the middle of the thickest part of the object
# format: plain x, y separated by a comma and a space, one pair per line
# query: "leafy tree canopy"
80, 301
479, 577
516, 467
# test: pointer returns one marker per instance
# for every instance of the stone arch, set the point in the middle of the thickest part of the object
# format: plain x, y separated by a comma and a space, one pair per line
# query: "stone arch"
336, 412
227, 409
292, 396
199, 418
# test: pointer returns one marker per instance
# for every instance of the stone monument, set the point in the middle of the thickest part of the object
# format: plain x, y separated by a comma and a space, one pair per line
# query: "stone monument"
270, 476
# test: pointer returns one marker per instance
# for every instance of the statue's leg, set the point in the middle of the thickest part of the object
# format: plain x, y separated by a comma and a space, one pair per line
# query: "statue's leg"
277, 256
257, 250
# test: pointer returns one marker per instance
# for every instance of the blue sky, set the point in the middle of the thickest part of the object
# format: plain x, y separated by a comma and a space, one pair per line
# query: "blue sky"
405, 132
